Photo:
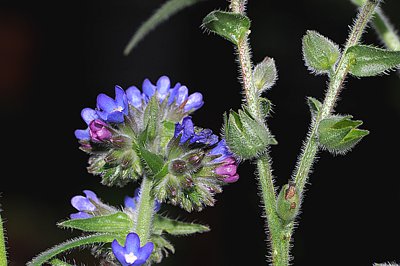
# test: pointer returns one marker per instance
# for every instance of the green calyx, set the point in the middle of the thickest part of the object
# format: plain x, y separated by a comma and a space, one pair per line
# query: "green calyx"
320, 54
231, 26
245, 136
338, 134
288, 203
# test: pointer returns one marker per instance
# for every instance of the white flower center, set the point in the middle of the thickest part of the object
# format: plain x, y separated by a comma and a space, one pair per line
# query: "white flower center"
118, 109
130, 258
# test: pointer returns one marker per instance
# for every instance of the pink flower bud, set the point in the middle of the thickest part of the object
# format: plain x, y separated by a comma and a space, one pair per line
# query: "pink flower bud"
99, 131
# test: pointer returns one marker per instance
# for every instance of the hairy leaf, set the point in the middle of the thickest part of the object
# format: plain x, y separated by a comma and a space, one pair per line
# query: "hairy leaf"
367, 61
265, 74
174, 227
229, 25
115, 223
74, 243
320, 54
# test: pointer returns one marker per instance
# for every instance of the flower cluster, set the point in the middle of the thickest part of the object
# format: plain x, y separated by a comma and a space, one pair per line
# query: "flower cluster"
150, 133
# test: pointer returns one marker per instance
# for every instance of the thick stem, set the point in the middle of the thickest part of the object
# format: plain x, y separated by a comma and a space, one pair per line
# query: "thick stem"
310, 149
386, 31
3, 254
145, 211
279, 239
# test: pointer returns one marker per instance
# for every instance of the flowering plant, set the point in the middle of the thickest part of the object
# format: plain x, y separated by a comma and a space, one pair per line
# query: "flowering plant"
147, 138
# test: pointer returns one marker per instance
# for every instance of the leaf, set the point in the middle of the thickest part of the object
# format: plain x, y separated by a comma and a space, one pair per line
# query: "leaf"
74, 243
115, 223
151, 119
338, 134
155, 163
367, 61
174, 227
229, 25
315, 106
167, 10
265, 74
320, 54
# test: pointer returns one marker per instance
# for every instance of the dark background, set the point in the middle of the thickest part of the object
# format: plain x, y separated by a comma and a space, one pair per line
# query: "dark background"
56, 56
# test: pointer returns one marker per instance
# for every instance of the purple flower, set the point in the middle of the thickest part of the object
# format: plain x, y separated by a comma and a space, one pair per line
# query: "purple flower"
228, 170
131, 202
132, 254
99, 131
88, 116
187, 132
222, 150
113, 110
84, 205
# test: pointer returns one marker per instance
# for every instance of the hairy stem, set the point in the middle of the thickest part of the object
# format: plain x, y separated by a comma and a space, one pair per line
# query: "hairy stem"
3, 254
310, 150
384, 28
145, 211
277, 236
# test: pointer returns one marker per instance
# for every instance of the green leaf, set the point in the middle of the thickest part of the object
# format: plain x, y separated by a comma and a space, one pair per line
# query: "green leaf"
338, 134
154, 162
57, 262
288, 203
151, 119
167, 10
173, 227
229, 25
115, 223
265, 74
315, 106
320, 54
74, 243
367, 61
266, 106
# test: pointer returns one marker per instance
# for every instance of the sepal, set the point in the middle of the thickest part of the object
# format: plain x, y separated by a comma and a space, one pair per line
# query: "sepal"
320, 54
338, 134
231, 26
288, 202
245, 136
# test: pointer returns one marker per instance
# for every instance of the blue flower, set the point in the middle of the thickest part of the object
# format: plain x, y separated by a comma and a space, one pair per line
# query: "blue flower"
131, 202
134, 97
222, 150
132, 254
113, 110
84, 205
187, 132
88, 115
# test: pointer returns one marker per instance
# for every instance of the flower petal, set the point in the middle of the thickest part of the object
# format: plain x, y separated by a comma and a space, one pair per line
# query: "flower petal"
106, 103
134, 96
163, 85
88, 115
91, 195
119, 252
82, 134
182, 95
115, 117
231, 179
132, 243
130, 202
148, 88
82, 204
173, 93
80, 215
145, 251
194, 102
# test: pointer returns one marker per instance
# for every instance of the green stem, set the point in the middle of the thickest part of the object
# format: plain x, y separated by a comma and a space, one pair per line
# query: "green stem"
278, 237
384, 29
278, 234
145, 211
310, 149
3, 254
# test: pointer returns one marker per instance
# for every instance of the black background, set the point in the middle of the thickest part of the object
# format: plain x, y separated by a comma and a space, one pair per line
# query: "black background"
56, 56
